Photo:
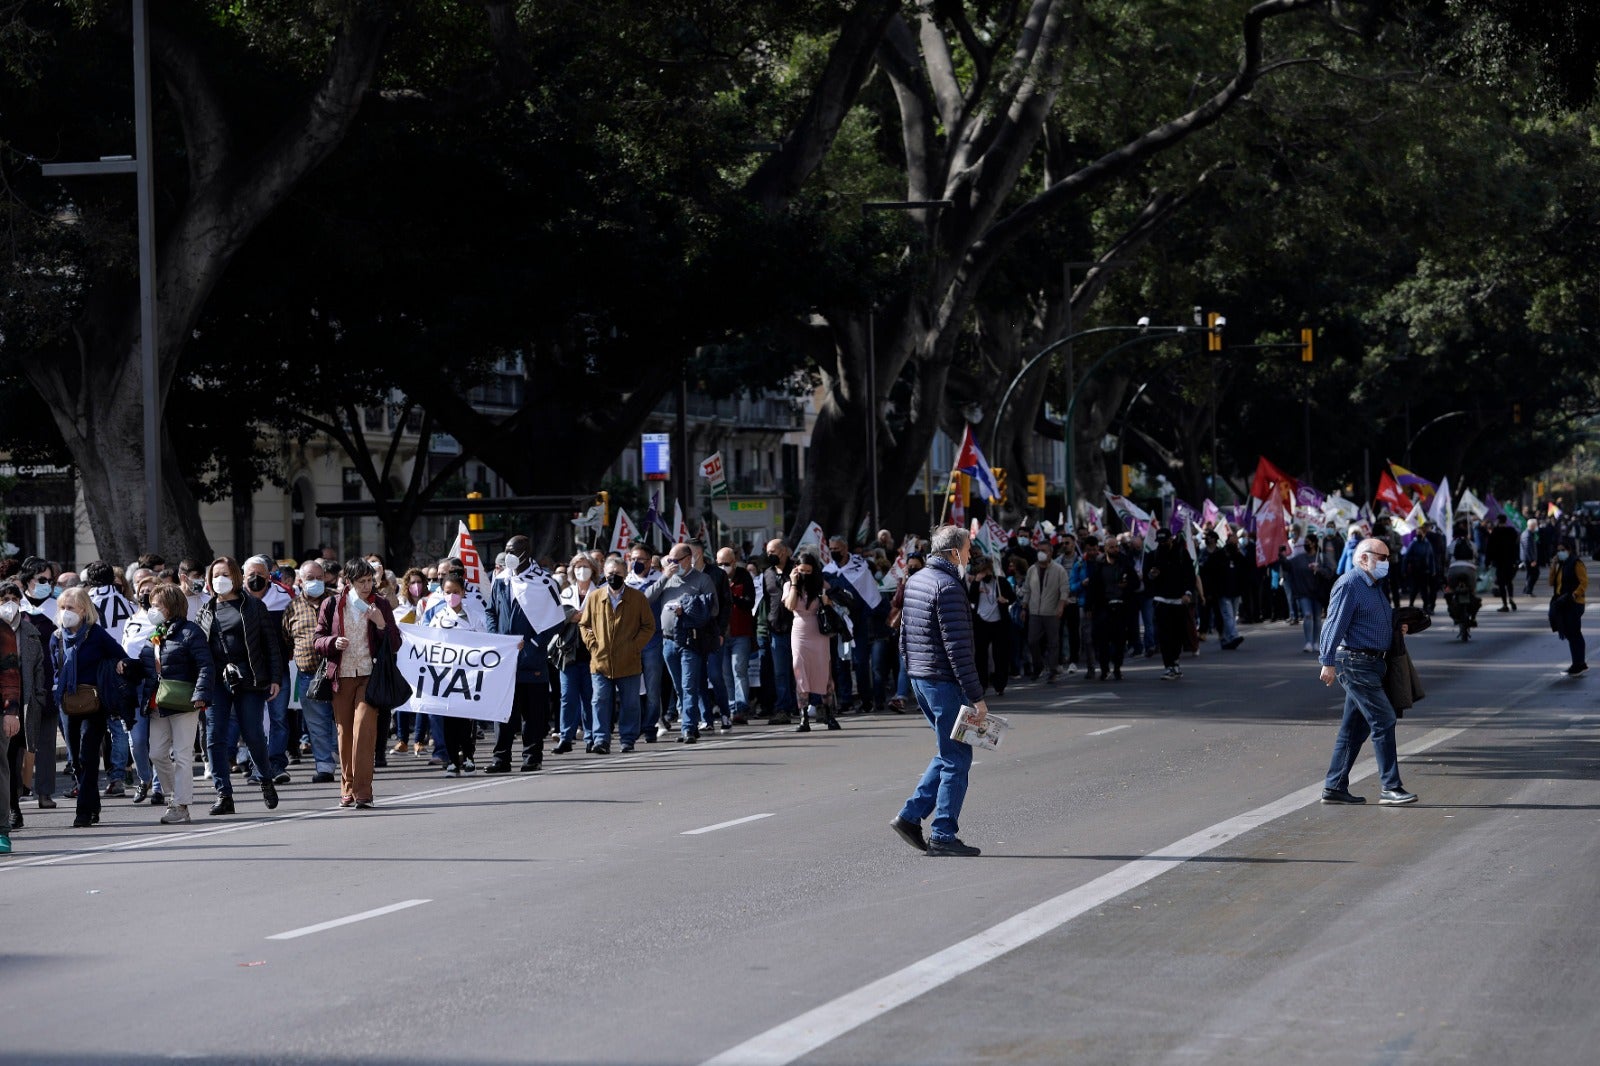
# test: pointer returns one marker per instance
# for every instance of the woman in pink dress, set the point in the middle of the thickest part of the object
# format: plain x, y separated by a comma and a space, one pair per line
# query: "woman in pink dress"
806, 595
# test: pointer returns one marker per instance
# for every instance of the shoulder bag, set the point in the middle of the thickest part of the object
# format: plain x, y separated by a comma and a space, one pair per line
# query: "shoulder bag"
172, 695
387, 688
82, 702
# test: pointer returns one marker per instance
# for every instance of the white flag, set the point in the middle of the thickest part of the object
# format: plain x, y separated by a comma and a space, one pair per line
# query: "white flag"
1470, 504
467, 551
680, 528
622, 532
1441, 513
813, 535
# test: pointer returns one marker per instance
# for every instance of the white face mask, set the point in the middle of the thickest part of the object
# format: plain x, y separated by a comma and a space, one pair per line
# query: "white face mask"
155, 616
222, 585
583, 574
9, 612
70, 619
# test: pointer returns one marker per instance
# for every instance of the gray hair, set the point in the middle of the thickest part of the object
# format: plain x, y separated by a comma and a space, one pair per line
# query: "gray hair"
949, 539
261, 561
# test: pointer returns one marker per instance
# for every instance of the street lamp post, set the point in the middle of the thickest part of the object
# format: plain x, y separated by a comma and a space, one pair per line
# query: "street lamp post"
141, 166
1151, 333
1418, 435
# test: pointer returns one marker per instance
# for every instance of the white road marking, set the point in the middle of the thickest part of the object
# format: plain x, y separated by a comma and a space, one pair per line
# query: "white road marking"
1275, 684
724, 825
1113, 729
1209, 703
1086, 698
307, 930
794, 1039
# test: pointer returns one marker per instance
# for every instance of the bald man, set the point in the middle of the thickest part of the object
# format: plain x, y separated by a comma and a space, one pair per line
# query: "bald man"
1355, 641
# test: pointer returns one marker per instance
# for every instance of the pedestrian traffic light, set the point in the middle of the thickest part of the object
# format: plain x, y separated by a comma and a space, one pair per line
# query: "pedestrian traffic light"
1214, 324
475, 521
603, 498
1306, 353
1036, 490
1000, 481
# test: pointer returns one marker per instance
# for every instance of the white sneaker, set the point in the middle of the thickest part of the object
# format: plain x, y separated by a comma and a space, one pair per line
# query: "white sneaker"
177, 814
1308, 648
1072, 668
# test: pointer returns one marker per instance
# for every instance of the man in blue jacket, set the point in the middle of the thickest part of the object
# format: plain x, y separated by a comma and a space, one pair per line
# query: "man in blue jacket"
936, 644
530, 706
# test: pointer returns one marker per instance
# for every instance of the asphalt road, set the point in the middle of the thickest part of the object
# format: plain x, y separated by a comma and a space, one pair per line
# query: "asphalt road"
1158, 885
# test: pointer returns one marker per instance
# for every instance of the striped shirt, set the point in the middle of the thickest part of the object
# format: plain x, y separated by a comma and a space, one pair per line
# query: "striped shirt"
1359, 616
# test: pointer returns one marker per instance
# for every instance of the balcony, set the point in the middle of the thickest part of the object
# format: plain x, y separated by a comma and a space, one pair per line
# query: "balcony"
773, 414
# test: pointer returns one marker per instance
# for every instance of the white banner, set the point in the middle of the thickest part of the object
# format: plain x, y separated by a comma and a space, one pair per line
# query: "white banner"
113, 608
467, 551
457, 673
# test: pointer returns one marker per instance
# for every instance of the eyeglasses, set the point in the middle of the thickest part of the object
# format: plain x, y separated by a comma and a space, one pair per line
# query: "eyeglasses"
1375, 555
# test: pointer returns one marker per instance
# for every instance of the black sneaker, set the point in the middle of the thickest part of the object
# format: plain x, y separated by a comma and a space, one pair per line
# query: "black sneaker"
269, 795
1576, 669
950, 846
322, 777
282, 779
910, 832
223, 805
1341, 795
1396, 797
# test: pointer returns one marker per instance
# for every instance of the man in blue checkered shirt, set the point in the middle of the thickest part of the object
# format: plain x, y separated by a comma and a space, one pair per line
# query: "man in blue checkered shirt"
1355, 641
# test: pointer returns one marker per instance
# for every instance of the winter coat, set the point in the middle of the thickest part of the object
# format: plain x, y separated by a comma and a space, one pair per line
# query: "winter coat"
331, 621
263, 641
616, 636
185, 656
936, 641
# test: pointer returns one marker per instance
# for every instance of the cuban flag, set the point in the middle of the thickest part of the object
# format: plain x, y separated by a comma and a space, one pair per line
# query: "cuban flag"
970, 461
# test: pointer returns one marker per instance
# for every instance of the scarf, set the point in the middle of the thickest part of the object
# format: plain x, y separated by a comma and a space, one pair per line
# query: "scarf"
67, 674
535, 592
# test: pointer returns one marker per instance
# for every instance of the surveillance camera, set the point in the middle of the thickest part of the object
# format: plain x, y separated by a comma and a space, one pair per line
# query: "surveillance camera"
1144, 321
1199, 316
1221, 321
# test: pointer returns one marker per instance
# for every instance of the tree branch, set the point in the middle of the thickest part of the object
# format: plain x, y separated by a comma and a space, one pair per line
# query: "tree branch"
941, 71
207, 132
900, 62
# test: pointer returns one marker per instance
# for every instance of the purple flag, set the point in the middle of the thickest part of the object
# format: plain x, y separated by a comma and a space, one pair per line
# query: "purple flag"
1182, 515
1239, 517
1491, 508
1209, 514
1306, 496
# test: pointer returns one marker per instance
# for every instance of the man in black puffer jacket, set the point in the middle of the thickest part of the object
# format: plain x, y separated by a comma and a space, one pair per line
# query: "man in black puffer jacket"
936, 644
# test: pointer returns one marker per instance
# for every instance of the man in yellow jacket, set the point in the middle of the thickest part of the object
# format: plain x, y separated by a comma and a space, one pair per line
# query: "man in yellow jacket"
1568, 580
616, 623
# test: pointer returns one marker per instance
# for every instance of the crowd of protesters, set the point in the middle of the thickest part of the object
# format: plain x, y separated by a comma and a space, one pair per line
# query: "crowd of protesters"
252, 668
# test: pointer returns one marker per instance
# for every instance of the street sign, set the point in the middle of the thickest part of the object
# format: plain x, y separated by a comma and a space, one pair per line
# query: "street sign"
747, 505
657, 456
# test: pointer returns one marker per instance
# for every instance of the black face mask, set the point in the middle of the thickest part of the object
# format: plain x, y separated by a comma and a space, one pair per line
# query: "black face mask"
814, 583
255, 583
840, 557
614, 580
144, 600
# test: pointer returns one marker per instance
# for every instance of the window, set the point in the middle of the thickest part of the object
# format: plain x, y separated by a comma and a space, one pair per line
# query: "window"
373, 418
352, 484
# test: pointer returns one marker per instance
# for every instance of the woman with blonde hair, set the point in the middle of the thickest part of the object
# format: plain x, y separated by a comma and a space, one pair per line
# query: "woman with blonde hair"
83, 652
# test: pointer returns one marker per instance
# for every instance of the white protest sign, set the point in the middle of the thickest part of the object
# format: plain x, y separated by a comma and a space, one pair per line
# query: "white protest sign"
458, 674
465, 550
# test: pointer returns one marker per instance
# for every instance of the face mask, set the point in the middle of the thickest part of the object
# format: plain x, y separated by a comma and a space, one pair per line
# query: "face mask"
416, 590
639, 567
314, 588
196, 587
222, 585
40, 592
155, 616
1563, 555
1380, 570
961, 568
433, 586
1043, 558
255, 583
614, 580
358, 603
583, 574
454, 599
727, 568
9, 612
70, 619
840, 557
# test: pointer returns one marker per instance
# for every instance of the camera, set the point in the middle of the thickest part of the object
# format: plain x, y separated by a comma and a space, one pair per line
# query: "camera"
233, 678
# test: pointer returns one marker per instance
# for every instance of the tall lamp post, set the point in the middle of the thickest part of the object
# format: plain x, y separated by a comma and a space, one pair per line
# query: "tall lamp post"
872, 347
141, 166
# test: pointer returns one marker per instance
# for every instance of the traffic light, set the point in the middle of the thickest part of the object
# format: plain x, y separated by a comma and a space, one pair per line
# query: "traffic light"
475, 521
1306, 353
1214, 324
1127, 479
960, 490
1036, 490
604, 500
1000, 480
1516, 414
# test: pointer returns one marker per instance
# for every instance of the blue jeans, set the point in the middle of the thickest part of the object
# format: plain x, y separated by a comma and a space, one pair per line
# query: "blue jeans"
119, 750
616, 706
650, 705
411, 726
885, 661
277, 730
782, 673
139, 741
718, 683
1310, 618
317, 716
576, 700
943, 787
735, 654
234, 715
1367, 712
904, 691
688, 670
1230, 617
1147, 621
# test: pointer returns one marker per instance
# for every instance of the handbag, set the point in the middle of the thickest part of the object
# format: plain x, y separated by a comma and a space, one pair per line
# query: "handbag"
319, 686
387, 688
172, 695
829, 623
81, 702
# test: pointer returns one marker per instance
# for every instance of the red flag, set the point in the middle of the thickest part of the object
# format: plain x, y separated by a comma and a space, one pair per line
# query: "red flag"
1268, 475
1390, 495
1271, 531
